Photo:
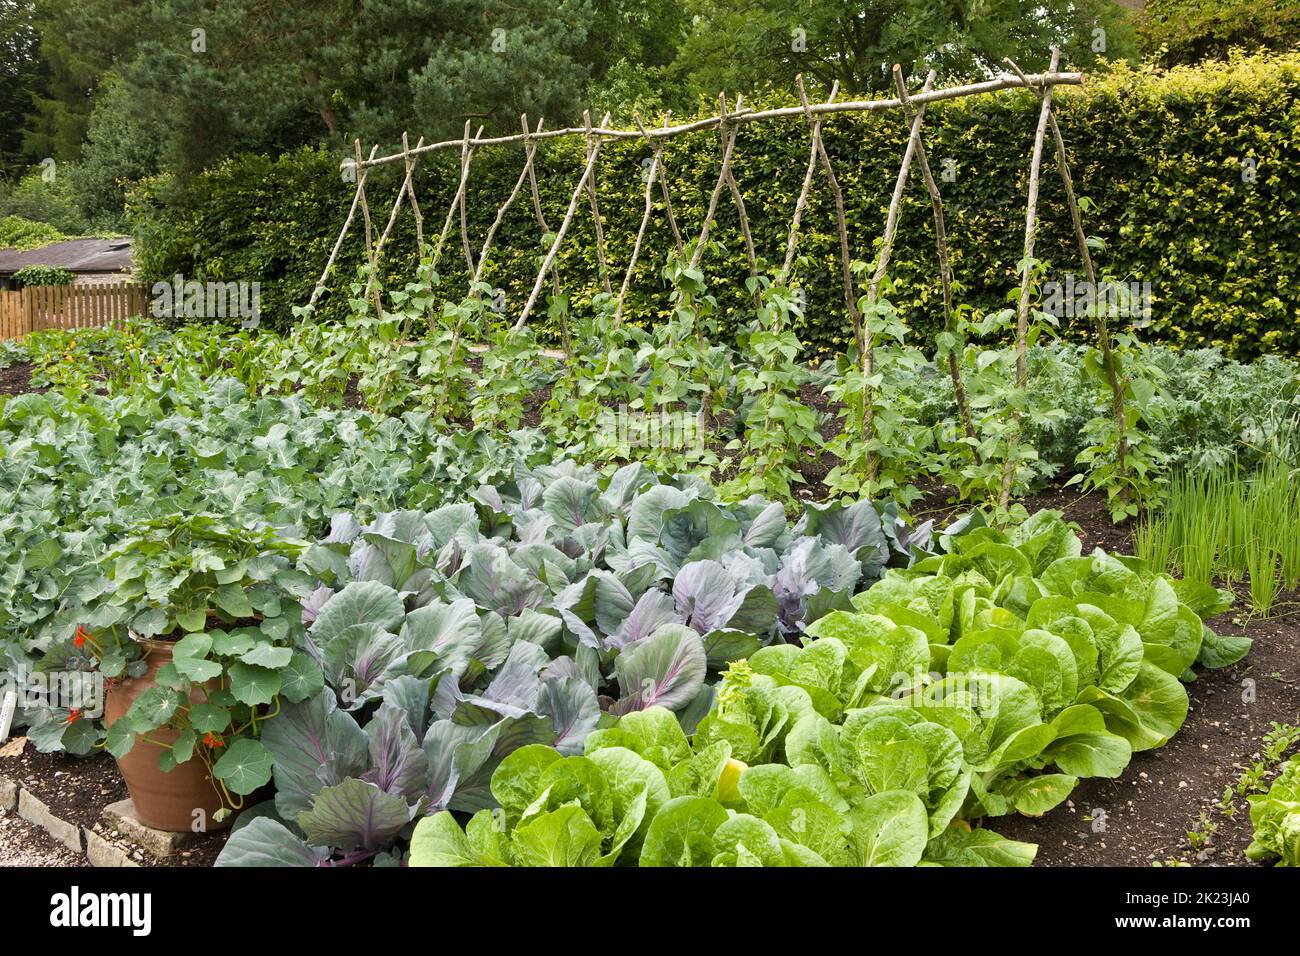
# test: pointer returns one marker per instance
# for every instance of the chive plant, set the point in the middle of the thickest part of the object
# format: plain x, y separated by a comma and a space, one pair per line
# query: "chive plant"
1231, 524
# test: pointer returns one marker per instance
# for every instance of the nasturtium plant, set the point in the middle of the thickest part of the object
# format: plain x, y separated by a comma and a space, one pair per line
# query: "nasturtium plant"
223, 599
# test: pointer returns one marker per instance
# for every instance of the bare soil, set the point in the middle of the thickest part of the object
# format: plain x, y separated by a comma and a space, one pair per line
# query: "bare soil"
77, 789
17, 379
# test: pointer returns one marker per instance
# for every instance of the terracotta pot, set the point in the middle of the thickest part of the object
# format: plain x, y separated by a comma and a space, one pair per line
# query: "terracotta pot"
164, 800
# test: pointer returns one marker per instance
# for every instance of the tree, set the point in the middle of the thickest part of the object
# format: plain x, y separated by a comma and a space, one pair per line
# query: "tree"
746, 45
1188, 31
20, 70
240, 75
123, 145
62, 93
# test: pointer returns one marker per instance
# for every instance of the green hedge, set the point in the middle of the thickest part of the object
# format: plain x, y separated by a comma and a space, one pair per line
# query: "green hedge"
1160, 153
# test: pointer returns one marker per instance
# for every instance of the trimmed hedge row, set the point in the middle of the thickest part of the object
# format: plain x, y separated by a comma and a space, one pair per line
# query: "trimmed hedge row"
1193, 172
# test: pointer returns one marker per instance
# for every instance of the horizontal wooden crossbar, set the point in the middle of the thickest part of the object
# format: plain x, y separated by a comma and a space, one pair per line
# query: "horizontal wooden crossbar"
1004, 81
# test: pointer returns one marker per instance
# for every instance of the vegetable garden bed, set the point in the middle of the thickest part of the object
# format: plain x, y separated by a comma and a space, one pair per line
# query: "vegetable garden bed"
1145, 814
416, 589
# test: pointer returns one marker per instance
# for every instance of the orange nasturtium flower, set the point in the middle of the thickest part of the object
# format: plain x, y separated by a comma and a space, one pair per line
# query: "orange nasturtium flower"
83, 635
74, 715
213, 741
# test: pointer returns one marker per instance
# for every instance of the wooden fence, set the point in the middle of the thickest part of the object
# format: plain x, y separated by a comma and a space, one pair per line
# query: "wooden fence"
68, 307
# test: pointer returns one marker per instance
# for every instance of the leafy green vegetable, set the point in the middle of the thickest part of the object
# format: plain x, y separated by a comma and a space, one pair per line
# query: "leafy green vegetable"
1276, 818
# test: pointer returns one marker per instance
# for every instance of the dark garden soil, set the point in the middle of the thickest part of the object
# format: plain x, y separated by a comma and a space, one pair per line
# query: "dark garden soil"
77, 789
352, 397
17, 379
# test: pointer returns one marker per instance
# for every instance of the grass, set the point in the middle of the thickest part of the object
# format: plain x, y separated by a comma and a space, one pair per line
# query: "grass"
1230, 524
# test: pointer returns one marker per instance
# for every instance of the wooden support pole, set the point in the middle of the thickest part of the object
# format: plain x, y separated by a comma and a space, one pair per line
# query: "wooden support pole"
945, 268
1109, 362
559, 236
728, 146
651, 176
405, 189
873, 289
846, 261
360, 175
896, 200
1005, 81
371, 286
530, 147
466, 156
410, 191
464, 219
663, 185
601, 260
742, 214
815, 124
524, 173
1022, 309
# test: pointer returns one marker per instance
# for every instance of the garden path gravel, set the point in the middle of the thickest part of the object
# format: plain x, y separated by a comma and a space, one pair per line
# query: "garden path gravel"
25, 844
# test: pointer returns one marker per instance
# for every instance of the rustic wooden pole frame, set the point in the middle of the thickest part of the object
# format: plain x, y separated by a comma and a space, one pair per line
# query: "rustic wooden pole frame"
1022, 308
592, 156
945, 268
1111, 366
727, 122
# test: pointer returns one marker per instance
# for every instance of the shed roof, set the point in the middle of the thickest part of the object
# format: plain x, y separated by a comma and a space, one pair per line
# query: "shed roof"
75, 255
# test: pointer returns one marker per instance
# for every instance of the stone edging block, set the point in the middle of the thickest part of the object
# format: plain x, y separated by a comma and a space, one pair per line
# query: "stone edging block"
33, 810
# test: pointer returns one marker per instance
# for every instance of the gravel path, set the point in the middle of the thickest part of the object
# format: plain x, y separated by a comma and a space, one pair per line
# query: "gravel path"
25, 844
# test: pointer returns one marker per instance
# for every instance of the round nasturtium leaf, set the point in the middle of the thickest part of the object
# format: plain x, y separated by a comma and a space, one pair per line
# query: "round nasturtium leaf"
244, 767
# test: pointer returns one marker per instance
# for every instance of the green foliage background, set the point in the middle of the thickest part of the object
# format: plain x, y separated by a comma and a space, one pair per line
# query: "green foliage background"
1186, 31
1162, 154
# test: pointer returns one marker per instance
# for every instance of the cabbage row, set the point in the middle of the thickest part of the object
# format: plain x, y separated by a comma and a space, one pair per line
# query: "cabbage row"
552, 709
